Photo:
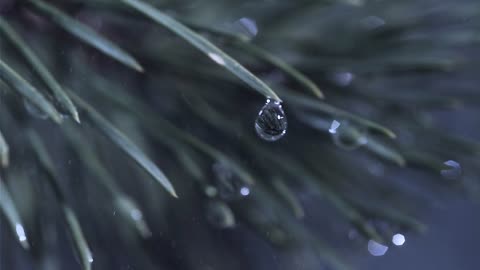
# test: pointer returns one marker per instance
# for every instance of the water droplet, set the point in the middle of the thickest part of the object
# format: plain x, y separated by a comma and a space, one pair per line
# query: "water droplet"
245, 191
217, 58
453, 172
132, 212
343, 79
334, 126
20, 233
376, 249
220, 215
271, 123
398, 239
228, 185
211, 191
34, 111
347, 135
247, 26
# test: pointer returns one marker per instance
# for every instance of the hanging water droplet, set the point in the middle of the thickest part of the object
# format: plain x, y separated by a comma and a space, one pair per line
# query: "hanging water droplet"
376, 249
34, 111
271, 123
398, 239
220, 215
247, 26
453, 172
347, 135
228, 185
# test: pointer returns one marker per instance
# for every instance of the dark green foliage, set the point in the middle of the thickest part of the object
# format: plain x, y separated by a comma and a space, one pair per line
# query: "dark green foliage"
150, 103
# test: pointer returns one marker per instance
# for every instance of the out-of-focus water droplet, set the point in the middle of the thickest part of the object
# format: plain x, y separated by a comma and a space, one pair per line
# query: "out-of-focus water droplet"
34, 111
398, 239
217, 58
220, 215
376, 249
130, 210
211, 191
245, 191
347, 135
372, 22
228, 185
271, 123
453, 171
247, 26
343, 79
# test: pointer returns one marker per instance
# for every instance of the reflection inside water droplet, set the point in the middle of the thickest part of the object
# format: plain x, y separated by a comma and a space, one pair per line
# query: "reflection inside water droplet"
217, 58
376, 249
398, 239
271, 123
220, 215
347, 135
34, 111
454, 171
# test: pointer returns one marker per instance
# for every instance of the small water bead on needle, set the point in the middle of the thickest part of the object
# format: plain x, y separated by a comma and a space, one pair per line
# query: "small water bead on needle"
346, 135
271, 123
34, 111
453, 171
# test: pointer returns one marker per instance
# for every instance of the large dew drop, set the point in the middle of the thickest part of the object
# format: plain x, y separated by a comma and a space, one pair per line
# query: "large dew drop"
347, 135
271, 123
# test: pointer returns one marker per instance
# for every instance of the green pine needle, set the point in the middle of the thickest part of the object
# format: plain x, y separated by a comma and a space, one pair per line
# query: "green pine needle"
28, 91
39, 67
202, 44
87, 35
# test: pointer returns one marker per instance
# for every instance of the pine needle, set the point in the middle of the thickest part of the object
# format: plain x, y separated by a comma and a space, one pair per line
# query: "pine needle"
79, 242
87, 34
4, 152
7, 206
28, 91
39, 68
124, 143
202, 44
